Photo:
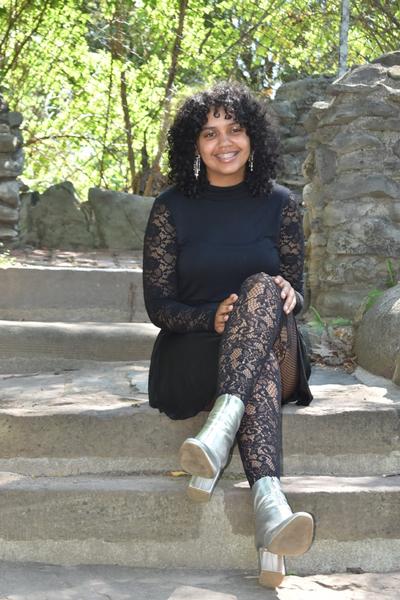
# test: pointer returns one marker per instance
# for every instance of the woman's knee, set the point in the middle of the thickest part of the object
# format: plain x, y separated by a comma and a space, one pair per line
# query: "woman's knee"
259, 282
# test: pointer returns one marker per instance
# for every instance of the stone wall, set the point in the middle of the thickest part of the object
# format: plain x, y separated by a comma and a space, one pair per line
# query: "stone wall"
11, 164
353, 186
292, 103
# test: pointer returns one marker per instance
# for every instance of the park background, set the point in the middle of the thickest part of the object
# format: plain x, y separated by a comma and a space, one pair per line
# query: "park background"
98, 81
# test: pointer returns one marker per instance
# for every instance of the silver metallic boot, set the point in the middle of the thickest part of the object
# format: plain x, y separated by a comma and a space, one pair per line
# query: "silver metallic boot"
278, 529
207, 454
200, 489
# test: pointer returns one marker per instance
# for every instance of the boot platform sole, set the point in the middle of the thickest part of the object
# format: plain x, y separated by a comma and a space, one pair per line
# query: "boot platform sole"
294, 536
195, 459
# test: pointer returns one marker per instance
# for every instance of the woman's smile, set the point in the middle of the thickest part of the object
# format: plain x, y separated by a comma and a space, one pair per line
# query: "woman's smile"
224, 147
227, 156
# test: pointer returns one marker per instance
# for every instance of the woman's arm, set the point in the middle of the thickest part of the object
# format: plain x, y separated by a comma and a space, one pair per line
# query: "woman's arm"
160, 284
291, 249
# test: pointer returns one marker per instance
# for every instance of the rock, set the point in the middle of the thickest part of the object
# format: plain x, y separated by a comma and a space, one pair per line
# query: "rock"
396, 374
337, 302
395, 211
345, 113
9, 192
292, 164
11, 166
367, 75
337, 213
284, 110
8, 142
366, 160
347, 141
368, 236
324, 135
121, 218
8, 215
13, 119
377, 340
394, 72
358, 270
377, 124
294, 144
353, 186
308, 165
394, 96
325, 163
388, 60
7, 233
56, 219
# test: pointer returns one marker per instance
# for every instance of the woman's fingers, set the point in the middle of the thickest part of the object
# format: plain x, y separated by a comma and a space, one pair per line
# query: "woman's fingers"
287, 294
223, 311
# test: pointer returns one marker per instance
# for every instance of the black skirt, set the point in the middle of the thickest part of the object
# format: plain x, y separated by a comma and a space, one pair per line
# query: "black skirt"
184, 369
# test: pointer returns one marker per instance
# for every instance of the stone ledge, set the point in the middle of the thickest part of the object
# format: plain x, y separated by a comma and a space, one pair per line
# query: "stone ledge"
149, 521
350, 427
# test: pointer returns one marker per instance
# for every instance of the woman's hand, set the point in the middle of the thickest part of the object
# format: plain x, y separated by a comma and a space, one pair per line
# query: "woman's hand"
287, 293
223, 311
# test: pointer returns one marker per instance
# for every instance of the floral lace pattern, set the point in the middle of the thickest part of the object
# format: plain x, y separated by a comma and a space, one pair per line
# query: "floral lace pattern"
291, 248
253, 345
160, 280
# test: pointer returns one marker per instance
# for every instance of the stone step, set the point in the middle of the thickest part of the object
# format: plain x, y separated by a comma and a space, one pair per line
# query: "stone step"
98, 420
37, 581
31, 346
149, 521
72, 294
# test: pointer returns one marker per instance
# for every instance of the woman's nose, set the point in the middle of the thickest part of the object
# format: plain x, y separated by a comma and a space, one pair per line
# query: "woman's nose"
225, 138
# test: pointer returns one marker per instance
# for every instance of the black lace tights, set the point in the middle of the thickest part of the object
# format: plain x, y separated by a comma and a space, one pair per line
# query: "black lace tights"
257, 362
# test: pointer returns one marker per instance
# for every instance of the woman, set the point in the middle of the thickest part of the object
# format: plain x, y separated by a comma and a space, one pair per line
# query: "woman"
223, 277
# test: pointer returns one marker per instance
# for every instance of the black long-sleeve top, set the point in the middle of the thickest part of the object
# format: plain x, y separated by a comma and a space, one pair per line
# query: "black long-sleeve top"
198, 251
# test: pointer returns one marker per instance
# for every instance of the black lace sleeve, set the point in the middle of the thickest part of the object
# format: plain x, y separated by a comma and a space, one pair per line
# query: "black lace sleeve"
291, 249
160, 283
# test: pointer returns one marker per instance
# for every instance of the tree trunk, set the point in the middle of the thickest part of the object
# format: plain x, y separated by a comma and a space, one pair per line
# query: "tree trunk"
162, 137
344, 36
118, 51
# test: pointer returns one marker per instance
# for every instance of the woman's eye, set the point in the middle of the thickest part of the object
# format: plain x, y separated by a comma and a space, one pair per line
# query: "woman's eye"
236, 129
209, 134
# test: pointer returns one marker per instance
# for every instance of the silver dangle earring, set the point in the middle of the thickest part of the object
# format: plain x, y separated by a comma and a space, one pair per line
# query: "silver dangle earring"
251, 160
196, 166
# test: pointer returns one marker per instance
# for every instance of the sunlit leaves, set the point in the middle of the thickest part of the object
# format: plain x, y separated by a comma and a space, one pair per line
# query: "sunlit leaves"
61, 64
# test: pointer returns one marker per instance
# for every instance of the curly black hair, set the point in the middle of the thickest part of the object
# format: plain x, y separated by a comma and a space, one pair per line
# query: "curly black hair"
251, 113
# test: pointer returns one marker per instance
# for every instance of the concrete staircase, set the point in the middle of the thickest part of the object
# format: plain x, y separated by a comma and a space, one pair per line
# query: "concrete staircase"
90, 473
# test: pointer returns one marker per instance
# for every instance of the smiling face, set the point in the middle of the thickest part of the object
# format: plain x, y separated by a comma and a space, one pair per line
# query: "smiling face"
224, 147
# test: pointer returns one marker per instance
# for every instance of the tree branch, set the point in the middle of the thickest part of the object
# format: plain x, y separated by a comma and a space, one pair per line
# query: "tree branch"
162, 136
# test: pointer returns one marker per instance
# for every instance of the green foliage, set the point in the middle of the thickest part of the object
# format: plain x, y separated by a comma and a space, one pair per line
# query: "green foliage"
91, 77
319, 324
373, 296
392, 277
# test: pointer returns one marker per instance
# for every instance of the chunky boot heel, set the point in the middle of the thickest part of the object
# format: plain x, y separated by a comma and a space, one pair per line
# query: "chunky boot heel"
200, 489
277, 528
272, 568
207, 453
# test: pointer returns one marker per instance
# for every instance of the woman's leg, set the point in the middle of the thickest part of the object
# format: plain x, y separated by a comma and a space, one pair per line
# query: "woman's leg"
255, 347
247, 341
259, 436
250, 333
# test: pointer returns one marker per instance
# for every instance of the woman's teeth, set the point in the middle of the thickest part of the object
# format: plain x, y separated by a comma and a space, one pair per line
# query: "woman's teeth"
226, 155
